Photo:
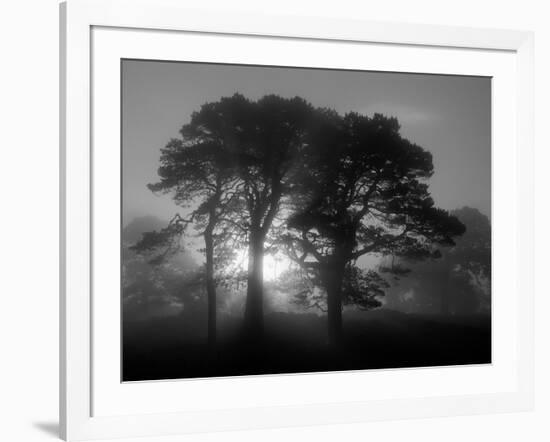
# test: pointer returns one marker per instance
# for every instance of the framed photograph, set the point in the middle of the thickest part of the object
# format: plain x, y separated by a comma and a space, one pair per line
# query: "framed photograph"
276, 221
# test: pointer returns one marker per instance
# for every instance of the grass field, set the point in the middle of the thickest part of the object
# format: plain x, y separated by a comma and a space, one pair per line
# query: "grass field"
175, 346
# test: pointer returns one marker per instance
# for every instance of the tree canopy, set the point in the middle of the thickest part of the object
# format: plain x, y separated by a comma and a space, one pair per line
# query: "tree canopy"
326, 188
363, 191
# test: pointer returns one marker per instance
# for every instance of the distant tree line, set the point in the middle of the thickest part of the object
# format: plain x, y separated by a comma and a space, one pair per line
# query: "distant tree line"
279, 175
457, 283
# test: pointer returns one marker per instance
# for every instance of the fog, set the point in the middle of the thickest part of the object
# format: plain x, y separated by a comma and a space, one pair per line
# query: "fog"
450, 116
418, 312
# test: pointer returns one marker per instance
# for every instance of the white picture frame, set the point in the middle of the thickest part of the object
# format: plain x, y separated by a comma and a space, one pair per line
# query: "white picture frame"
80, 376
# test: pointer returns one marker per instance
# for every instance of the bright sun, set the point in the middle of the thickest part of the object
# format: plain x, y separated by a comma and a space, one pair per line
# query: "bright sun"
274, 265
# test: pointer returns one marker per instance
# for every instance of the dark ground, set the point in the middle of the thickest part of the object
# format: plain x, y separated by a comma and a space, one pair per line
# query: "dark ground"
175, 347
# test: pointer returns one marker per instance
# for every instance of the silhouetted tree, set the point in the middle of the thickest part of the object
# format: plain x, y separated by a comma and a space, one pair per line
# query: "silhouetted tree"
154, 290
362, 191
360, 288
149, 288
264, 139
460, 281
471, 255
199, 172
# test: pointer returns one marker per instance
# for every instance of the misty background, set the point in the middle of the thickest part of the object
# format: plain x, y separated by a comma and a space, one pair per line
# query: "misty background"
428, 312
450, 116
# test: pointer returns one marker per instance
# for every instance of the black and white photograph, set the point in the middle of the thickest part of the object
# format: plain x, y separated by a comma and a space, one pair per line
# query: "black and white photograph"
266, 221
282, 220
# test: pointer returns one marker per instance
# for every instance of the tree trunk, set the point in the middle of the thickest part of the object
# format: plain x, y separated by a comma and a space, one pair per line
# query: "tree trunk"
210, 288
334, 278
253, 316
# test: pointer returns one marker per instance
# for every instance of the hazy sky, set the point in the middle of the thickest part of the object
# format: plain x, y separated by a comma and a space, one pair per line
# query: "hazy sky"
448, 115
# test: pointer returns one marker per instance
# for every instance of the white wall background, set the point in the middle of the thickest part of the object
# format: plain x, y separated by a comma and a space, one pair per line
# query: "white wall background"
29, 220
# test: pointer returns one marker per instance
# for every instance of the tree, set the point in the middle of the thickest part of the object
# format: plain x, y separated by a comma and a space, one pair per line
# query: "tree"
264, 140
198, 171
472, 254
362, 191
360, 288
460, 282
